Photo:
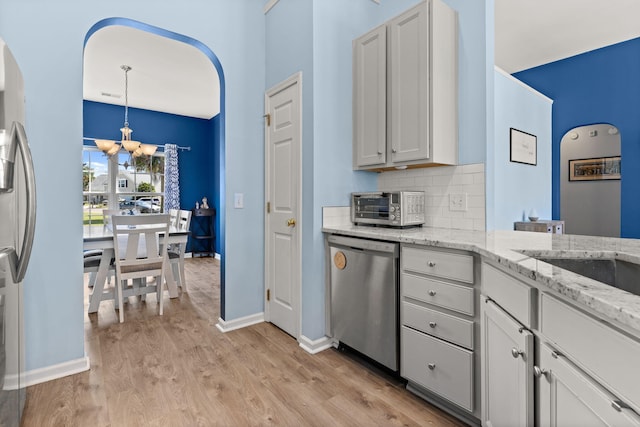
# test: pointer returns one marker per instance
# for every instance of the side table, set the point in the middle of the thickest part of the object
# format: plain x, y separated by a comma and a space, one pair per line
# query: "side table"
203, 232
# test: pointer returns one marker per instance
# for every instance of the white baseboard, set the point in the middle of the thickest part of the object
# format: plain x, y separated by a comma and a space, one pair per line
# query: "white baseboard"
242, 322
190, 255
48, 373
315, 346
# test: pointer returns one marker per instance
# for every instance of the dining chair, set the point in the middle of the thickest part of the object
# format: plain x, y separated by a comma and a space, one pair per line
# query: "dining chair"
139, 255
176, 252
92, 257
173, 217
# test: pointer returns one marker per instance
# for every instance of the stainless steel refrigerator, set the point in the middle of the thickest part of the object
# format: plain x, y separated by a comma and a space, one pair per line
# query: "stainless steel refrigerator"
17, 228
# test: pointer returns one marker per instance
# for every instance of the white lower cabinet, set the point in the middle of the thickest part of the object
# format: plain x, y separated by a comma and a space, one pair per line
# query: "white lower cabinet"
438, 333
582, 367
568, 397
438, 366
507, 368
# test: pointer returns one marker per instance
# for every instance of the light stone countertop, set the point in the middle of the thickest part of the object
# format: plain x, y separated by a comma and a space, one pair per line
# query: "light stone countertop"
508, 249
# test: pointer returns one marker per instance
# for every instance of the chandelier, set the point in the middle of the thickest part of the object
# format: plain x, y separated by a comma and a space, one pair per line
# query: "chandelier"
135, 148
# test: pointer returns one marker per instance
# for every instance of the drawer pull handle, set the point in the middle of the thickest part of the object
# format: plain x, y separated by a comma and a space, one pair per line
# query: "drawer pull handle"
432, 324
619, 405
432, 293
432, 366
431, 264
539, 372
516, 353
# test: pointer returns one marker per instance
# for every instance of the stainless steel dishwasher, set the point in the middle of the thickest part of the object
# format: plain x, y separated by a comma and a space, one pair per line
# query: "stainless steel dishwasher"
364, 297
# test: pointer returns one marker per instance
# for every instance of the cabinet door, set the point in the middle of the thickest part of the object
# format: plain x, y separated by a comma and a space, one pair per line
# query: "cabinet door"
507, 369
570, 398
409, 118
370, 98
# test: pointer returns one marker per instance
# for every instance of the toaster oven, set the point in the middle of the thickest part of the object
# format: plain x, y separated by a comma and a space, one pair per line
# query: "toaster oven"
392, 208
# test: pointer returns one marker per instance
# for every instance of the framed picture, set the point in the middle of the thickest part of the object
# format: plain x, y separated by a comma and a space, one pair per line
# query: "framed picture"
596, 169
524, 147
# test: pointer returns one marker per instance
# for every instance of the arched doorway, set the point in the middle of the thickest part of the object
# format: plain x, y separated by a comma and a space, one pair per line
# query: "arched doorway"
204, 168
590, 176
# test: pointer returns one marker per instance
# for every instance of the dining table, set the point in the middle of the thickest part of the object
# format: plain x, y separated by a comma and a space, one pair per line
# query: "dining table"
101, 237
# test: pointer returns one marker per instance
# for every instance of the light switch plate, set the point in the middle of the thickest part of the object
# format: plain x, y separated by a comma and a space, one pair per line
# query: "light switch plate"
238, 200
458, 201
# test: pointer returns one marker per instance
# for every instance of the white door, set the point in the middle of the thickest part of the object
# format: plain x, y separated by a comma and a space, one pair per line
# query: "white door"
507, 369
283, 178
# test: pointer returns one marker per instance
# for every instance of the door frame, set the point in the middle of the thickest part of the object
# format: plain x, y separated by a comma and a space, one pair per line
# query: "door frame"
293, 79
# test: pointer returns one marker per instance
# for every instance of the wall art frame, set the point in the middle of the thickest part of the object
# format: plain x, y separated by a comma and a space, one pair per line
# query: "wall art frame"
595, 169
523, 147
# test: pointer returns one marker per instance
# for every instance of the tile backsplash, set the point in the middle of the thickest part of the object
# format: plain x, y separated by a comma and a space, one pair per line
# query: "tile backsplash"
454, 195
335, 216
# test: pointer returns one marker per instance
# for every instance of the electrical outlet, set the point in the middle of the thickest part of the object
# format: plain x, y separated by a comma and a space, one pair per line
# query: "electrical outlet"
458, 201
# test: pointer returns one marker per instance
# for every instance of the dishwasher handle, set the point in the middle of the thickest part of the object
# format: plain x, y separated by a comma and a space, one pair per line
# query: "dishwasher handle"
363, 244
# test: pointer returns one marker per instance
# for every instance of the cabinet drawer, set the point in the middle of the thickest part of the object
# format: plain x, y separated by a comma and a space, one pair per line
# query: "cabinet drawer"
448, 295
436, 263
438, 366
514, 296
441, 325
602, 351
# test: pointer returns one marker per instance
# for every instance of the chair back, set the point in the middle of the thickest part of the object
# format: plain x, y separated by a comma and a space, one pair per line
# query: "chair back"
184, 220
138, 251
173, 218
107, 214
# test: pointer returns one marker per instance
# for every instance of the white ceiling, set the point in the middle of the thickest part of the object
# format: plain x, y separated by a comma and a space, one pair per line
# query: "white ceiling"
166, 75
529, 33
175, 77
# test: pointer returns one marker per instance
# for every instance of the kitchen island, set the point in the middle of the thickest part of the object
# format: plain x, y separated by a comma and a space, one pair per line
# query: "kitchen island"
530, 322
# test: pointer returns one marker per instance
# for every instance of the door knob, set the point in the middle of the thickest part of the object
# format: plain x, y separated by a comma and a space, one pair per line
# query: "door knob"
291, 222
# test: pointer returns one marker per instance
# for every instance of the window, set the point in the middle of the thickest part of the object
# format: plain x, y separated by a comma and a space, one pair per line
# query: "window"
120, 182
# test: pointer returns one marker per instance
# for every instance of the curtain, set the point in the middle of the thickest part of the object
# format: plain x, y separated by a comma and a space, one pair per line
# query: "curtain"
172, 178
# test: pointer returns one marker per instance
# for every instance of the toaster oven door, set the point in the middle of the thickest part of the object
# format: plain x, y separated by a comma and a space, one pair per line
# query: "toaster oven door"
374, 209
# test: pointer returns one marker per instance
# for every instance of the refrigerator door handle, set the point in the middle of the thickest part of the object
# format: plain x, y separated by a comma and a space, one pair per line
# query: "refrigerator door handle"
17, 131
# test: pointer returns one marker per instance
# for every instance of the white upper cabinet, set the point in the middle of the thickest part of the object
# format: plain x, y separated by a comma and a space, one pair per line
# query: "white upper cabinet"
370, 98
408, 107
405, 90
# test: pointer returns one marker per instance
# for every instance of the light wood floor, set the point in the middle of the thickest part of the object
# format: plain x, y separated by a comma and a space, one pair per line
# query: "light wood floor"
179, 370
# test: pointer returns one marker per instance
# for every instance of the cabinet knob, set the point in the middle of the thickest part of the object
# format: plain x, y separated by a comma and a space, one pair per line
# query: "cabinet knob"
515, 352
379, 153
431, 264
432, 324
393, 150
432, 293
431, 366
539, 372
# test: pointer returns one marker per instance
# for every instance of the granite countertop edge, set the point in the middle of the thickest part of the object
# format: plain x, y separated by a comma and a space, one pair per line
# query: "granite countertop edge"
516, 251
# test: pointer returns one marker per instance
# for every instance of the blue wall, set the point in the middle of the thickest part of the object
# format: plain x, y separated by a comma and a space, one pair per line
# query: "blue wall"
527, 187
601, 86
197, 166
48, 47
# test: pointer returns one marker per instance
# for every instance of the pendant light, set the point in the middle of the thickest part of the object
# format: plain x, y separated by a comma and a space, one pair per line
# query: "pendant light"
135, 148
